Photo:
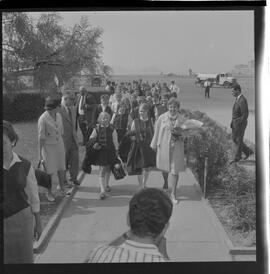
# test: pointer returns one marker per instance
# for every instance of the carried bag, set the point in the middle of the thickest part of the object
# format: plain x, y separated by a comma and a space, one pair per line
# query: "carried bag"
118, 172
43, 179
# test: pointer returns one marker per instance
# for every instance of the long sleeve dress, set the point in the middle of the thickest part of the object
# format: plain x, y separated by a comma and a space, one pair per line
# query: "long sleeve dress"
141, 155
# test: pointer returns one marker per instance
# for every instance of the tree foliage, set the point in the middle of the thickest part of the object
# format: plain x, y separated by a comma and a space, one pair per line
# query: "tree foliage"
49, 48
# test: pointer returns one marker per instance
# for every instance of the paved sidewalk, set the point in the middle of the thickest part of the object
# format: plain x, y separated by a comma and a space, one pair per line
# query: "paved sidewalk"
87, 222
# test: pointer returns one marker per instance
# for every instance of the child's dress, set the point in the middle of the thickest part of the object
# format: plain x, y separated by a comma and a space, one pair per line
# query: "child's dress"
106, 137
141, 154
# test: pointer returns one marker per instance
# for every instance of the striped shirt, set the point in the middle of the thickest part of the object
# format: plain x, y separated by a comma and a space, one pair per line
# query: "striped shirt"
128, 252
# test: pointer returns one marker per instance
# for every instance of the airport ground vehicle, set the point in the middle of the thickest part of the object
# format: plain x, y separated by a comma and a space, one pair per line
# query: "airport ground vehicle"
221, 79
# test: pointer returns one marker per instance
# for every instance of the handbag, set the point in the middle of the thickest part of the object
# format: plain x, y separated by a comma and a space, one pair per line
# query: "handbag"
118, 170
43, 179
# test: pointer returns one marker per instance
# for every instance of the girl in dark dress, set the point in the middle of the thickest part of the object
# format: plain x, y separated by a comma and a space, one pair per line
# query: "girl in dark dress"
120, 120
120, 123
104, 139
141, 157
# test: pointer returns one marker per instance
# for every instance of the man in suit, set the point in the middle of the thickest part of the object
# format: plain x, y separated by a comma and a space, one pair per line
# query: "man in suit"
68, 113
81, 112
239, 123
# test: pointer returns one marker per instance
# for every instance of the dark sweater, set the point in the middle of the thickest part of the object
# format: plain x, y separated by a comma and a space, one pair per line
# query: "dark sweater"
14, 183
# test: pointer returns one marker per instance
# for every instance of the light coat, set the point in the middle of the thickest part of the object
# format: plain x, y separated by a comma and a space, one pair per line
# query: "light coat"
49, 130
169, 158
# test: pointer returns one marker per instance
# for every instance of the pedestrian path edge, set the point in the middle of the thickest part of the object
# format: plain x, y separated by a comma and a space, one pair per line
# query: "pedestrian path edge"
54, 220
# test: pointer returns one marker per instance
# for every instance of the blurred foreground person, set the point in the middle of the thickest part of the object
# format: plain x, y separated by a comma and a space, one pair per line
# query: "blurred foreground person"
20, 203
148, 218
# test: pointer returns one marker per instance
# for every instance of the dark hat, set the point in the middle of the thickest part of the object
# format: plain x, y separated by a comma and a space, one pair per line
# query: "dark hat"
52, 102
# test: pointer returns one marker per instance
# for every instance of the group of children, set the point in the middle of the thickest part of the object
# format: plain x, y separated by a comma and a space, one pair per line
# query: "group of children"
124, 130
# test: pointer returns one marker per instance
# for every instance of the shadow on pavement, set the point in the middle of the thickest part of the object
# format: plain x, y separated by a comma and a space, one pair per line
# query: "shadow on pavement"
82, 206
191, 193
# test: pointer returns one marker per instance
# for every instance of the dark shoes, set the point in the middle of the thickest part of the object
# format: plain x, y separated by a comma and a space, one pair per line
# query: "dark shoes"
102, 196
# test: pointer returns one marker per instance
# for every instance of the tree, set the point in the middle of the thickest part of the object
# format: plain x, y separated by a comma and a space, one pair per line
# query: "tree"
49, 48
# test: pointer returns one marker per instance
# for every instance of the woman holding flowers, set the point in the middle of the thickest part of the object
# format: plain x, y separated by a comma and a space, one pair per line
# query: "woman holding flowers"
168, 143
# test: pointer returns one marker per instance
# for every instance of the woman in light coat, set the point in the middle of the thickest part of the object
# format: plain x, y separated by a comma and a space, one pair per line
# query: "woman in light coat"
50, 140
168, 143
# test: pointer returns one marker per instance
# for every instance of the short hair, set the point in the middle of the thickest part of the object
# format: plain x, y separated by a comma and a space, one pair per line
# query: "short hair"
149, 211
237, 87
101, 114
173, 101
9, 131
104, 97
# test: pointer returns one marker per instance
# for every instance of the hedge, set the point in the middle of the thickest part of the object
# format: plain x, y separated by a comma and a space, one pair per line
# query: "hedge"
25, 107
236, 184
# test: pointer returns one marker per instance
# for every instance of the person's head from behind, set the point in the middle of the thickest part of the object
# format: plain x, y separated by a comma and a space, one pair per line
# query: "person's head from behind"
104, 118
104, 99
10, 139
149, 213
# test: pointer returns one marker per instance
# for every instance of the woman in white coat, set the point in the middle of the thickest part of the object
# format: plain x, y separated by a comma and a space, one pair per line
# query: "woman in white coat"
168, 143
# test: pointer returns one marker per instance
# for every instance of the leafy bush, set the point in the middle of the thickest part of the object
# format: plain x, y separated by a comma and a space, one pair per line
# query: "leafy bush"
22, 107
234, 184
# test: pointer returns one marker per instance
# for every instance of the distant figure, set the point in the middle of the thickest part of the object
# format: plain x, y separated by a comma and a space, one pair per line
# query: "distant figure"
175, 89
148, 218
207, 86
239, 124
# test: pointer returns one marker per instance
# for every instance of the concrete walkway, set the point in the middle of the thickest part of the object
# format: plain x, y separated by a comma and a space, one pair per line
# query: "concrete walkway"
192, 236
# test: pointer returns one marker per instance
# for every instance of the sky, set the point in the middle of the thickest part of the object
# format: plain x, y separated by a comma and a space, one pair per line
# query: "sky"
172, 41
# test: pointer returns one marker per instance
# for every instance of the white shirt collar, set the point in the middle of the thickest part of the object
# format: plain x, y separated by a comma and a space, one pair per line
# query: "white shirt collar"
14, 160
237, 98
136, 246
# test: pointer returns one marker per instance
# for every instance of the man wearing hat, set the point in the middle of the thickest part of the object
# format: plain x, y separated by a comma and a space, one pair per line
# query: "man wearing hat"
50, 141
68, 113
239, 123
